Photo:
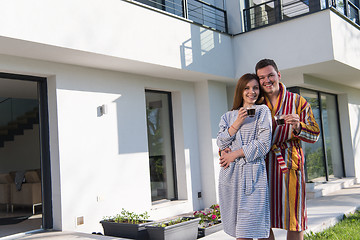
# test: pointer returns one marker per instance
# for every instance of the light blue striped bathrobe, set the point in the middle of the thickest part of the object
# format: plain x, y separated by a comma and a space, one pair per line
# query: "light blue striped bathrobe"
243, 186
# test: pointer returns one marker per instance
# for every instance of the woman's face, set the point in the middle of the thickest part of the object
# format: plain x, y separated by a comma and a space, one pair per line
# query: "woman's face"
251, 92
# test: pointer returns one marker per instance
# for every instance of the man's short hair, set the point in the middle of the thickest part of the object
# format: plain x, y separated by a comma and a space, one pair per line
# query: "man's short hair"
264, 63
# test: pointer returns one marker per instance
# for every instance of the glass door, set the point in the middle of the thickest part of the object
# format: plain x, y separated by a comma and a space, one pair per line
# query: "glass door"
331, 134
315, 166
20, 154
161, 145
323, 159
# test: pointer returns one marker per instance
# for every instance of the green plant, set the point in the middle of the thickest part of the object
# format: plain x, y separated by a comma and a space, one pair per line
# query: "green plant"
171, 222
347, 229
209, 217
128, 217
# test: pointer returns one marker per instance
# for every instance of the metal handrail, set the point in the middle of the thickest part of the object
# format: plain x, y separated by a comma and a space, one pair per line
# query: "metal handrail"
258, 5
196, 10
207, 14
5, 100
212, 6
281, 11
356, 11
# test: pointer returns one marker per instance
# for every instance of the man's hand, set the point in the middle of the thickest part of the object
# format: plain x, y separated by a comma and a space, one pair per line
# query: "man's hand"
294, 121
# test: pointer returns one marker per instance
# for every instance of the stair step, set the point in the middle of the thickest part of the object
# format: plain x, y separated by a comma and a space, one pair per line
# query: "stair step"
18, 126
316, 190
6, 137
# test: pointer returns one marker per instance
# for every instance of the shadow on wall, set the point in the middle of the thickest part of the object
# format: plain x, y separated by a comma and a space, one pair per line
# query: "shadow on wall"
356, 141
202, 48
129, 122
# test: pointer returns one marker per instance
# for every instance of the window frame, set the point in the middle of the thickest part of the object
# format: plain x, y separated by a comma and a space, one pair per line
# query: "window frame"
297, 90
172, 141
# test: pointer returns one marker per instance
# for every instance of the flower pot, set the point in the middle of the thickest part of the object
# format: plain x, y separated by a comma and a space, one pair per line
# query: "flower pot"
126, 230
181, 231
209, 230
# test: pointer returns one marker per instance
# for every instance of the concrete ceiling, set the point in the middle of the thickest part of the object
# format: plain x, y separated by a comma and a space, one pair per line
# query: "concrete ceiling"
27, 49
332, 71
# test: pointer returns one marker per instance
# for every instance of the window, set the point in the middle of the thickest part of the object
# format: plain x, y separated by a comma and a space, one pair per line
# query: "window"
323, 159
161, 145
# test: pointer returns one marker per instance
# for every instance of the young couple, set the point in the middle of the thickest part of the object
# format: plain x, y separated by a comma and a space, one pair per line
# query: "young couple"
262, 181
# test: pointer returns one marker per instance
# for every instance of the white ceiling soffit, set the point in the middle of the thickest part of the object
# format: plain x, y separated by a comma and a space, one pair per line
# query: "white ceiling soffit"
27, 49
332, 71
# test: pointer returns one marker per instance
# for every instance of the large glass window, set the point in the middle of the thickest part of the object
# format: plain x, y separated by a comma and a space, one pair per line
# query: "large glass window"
332, 136
161, 145
323, 159
314, 153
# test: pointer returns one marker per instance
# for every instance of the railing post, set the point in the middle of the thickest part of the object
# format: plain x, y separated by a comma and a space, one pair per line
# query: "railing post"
185, 9
225, 22
278, 10
346, 8
315, 5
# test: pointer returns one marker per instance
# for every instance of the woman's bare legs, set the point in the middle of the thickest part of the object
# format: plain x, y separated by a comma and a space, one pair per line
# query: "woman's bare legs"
291, 235
271, 236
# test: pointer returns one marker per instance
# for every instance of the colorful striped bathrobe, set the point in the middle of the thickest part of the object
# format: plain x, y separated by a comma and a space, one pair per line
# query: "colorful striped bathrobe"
285, 162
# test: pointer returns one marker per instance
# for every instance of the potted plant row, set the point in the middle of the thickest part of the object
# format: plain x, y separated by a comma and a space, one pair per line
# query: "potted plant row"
127, 225
210, 220
184, 228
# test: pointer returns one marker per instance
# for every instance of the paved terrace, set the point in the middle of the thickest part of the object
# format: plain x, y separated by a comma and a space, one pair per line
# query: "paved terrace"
323, 212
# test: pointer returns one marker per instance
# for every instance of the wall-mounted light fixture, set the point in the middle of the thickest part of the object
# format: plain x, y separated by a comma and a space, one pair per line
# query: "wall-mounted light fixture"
103, 109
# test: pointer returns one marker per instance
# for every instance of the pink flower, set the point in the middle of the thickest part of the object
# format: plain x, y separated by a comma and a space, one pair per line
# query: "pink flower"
213, 216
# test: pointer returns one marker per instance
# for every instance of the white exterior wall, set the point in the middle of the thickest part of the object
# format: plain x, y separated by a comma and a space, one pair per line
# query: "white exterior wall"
345, 38
100, 163
218, 106
288, 43
118, 34
211, 103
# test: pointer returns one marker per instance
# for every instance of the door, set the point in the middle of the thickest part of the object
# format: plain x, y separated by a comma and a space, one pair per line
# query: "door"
25, 192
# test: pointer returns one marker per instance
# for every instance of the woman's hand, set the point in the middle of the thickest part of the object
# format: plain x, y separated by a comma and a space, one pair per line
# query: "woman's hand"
226, 158
242, 114
226, 150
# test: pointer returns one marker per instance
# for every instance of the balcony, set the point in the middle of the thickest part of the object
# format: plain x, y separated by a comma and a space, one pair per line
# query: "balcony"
197, 11
275, 11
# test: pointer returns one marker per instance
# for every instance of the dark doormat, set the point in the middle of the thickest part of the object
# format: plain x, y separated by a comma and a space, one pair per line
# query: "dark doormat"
13, 220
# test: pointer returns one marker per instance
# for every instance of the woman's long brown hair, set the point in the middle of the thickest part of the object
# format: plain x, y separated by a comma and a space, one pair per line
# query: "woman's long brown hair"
239, 89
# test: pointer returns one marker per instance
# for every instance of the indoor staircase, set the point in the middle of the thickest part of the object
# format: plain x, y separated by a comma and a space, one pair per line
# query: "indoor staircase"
17, 127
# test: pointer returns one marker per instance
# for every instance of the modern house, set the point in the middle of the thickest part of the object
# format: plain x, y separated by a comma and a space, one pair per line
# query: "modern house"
115, 104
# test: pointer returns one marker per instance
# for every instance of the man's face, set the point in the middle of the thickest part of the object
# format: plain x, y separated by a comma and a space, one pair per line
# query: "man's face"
269, 80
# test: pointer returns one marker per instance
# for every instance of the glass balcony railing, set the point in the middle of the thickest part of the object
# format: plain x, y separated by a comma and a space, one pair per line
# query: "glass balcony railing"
195, 10
275, 11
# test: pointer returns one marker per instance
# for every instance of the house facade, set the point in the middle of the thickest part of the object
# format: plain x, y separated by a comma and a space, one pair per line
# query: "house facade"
130, 94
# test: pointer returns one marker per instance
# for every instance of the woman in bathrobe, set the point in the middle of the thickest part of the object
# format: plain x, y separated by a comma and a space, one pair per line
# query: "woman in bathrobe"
244, 141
